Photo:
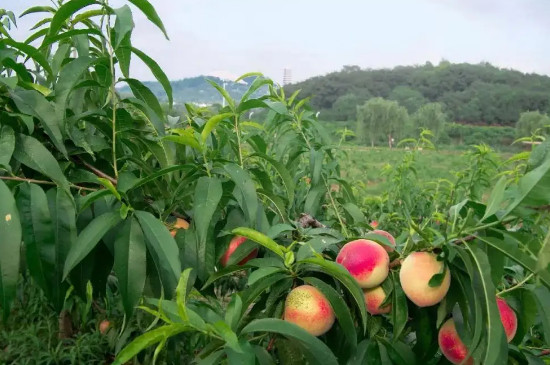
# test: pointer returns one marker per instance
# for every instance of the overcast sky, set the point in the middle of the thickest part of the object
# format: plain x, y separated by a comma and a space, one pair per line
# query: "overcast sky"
313, 37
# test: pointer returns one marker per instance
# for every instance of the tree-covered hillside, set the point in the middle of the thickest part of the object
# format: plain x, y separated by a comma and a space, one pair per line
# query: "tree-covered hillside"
474, 94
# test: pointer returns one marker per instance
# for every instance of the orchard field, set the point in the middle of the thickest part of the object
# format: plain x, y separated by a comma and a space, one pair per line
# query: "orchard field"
128, 236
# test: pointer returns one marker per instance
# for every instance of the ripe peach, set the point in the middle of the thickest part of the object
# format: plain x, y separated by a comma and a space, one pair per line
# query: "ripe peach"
180, 224
374, 224
388, 236
416, 271
104, 326
451, 345
374, 298
366, 261
236, 242
308, 308
508, 319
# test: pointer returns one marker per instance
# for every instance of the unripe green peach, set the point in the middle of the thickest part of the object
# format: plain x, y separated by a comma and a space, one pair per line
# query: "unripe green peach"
416, 271
308, 308
367, 261
389, 237
508, 318
374, 298
451, 345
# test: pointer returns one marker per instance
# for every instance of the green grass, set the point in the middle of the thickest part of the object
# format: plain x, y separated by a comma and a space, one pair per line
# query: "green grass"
364, 166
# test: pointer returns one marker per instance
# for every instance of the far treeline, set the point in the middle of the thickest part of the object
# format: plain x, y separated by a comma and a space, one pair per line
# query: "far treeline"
461, 103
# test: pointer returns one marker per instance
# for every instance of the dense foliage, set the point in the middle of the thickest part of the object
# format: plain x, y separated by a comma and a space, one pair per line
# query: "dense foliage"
473, 94
93, 183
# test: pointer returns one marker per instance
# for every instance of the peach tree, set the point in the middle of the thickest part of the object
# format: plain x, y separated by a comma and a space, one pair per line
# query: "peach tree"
273, 257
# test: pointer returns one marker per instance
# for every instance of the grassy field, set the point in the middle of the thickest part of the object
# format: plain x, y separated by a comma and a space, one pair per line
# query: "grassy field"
364, 165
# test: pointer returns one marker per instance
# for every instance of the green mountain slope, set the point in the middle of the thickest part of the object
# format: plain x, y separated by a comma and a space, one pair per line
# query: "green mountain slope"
473, 94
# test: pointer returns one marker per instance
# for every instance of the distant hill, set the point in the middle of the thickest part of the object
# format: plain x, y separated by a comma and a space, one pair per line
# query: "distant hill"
197, 90
471, 93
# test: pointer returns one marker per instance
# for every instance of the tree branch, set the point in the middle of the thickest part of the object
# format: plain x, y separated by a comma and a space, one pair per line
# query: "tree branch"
43, 182
98, 172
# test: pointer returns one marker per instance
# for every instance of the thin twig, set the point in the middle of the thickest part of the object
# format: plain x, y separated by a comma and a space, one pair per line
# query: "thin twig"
43, 182
98, 172
518, 285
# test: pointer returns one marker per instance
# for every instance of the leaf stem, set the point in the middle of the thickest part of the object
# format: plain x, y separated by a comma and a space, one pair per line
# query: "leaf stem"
238, 131
112, 90
43, 182
517, 286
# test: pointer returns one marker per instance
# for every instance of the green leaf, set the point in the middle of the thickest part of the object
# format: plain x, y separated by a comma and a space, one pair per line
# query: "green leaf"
38, 234
30, 152
140, 182
497, 348
230, 337
248, 199
285, 175
88, 239
212, 123
261, 273
157, 72
342, 275
224, 93
234, 311
10, 246
123, 24
187, 140
38, 9
496, 199
542, 297
148, 339
164, 250
33, 103
150, 13
544, 255
260, 238
181, 294
258, 83
532, 189
255, 290
208, 193
64, 12
7, 146
130, 264
224, 272
341, 310
144, 94
109, 185
312, 345
399, 311
124, 55
30, 51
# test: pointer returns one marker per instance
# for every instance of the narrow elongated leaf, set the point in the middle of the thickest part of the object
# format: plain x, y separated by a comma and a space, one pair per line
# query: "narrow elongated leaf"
544, 254
399, 312
212, 123
185, 140
130, 264
343, 276
37, 9
248, 199
341, 310
144, 94
65, 12
224, 93
181, 294
156, 175
33, 103
157, 72
123, 24
69, 76
497, 348
542, 297
88, 239
315, 347
10, 246
29, 51
30, 152
208, 194
532, 189
38, 233
496, 199
164, 250
285, 175
150, 13
224, 272
7, 146
234, 311
148, 339
260, 238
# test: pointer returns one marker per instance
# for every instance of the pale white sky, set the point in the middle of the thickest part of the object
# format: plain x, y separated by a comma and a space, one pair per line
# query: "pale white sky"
314, 37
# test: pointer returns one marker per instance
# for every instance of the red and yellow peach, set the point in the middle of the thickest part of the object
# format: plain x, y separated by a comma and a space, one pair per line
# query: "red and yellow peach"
367, 261
416, 271
233, 245
508, 318
374, 298
389, 237
308, 308
451, 345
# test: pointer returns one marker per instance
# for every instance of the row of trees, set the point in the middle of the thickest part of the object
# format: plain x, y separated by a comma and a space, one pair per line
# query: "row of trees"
381, 119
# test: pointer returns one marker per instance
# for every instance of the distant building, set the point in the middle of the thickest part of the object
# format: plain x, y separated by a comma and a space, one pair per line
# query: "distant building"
287, 76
